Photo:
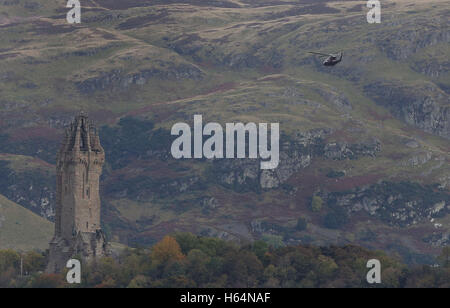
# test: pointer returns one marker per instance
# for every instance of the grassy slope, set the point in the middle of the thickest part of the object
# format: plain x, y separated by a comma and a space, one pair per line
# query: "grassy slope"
21, 229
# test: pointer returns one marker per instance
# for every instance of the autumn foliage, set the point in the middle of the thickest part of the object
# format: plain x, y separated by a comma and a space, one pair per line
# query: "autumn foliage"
167, 249
188, 260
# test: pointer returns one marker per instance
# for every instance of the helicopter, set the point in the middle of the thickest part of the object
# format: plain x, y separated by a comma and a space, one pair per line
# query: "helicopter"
331, 60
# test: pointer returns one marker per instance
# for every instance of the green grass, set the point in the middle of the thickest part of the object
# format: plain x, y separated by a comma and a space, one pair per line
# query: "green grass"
21, 229
21, 163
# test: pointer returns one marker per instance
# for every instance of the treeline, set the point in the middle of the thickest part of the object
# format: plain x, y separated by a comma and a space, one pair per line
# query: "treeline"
186, 260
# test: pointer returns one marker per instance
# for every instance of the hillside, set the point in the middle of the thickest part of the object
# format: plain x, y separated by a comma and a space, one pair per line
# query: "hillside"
21, 229
369, 137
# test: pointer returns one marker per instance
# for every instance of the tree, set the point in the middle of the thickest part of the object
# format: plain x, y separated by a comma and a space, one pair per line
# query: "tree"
316, 203
167, 249
109, 282
273, 240
335, 219
326, 267
9, 259
243, 269
139, 281
270, 278
197, 266
187, 241
260, 248
48, 281
33, 262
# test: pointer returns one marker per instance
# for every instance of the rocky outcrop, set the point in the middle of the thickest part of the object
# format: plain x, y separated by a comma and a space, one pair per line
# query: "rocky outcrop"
410, 38
296, 153
425, 106
417, 159
32, 190
400, 204
209, 202
336, 98
438, 239
343, 150
240, 174
432, 68
117, 79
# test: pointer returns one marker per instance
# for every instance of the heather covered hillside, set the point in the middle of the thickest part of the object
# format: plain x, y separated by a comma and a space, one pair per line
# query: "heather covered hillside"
364, 152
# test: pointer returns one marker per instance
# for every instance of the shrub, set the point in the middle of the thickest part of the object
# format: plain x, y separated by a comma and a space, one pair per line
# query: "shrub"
316, 204
301, 224
335, 219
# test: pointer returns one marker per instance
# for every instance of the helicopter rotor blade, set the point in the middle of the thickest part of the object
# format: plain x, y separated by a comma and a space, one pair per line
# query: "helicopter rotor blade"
322, 54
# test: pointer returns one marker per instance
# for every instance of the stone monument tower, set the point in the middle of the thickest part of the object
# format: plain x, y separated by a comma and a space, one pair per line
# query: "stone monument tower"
77, 222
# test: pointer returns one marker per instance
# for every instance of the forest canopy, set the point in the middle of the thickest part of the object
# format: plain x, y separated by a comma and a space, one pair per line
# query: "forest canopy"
187, 260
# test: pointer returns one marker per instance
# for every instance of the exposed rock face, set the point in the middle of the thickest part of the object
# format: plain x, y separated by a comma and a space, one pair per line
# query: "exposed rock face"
399, 204
343, 150
77, 220
432, 68
296, 153
291, 164
438, 239
245, 174
418, 159
426, 107
336, 98
33, 190
239, 174
409, 39
119, 80
210, 202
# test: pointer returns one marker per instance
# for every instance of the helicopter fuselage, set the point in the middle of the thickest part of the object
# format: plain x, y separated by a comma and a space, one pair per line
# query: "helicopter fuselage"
331, 61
